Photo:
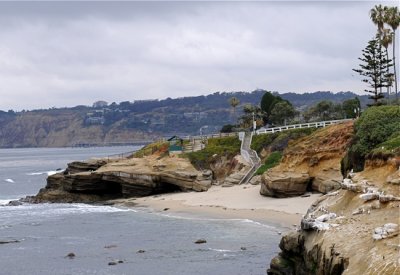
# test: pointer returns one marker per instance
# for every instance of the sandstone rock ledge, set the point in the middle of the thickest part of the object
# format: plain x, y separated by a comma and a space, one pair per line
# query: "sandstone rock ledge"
99, 180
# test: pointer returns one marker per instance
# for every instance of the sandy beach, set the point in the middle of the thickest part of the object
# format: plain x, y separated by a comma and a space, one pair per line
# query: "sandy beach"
239, 201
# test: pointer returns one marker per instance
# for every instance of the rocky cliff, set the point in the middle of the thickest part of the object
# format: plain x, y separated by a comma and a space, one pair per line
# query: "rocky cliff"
61, 128
99, 180
354, 230
311, 163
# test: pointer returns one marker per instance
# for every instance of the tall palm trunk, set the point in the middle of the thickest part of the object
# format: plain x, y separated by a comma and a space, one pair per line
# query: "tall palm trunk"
394, 66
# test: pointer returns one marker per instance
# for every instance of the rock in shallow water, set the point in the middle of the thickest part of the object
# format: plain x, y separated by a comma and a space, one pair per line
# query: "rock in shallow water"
200, 241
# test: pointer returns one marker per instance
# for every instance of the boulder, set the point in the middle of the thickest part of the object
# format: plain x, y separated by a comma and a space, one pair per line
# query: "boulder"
256, 180
386, 231
284, 184
327, 181
234, 178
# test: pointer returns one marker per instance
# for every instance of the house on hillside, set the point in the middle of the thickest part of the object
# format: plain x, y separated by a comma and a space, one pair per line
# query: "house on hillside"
100, 104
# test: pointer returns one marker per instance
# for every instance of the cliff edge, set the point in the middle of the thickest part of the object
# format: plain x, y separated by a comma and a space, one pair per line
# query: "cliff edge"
354, 230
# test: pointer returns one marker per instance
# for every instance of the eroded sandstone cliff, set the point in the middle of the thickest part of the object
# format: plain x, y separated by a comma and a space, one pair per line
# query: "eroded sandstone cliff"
311, 163
354, 230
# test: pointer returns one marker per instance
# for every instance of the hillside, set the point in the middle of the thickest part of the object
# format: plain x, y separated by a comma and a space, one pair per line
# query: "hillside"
136, 121
359, 213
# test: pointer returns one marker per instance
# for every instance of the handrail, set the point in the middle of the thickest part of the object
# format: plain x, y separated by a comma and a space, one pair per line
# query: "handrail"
254, 165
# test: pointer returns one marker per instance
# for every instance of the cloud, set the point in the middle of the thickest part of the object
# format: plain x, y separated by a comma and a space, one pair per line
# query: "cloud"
71, 53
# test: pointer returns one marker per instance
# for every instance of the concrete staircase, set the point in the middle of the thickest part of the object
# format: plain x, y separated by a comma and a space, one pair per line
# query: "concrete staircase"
195, 144
250, 156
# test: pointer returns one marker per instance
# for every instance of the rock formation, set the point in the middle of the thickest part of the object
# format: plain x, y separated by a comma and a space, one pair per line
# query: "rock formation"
311, 163
354, 230
284, 184
98, 180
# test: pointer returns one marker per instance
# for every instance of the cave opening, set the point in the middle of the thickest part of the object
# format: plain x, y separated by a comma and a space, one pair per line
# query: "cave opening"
165, 187
309, 185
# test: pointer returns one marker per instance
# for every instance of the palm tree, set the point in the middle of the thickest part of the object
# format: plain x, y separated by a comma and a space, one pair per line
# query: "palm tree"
234, 102
386, 40
392, 18
377, 15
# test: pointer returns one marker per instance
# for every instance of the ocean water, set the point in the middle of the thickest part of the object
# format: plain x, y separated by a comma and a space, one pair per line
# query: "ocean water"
97, 235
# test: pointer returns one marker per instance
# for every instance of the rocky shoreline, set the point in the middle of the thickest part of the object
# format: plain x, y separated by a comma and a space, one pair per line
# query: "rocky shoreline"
358, 213
354, 230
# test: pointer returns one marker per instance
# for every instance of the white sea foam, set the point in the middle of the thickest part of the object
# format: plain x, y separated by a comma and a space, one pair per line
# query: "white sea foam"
174, 216
258, 223
4, 202
54, 210
49, 173
220, 250
9, 180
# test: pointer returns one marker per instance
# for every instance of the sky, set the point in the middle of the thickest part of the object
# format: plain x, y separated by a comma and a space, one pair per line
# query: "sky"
63, 54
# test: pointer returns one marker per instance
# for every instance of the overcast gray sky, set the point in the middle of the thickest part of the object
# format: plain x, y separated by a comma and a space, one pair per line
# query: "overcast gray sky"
71, 53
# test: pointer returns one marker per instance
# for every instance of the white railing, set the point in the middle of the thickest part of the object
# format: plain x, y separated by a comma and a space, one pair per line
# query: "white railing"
209, 136
302, 125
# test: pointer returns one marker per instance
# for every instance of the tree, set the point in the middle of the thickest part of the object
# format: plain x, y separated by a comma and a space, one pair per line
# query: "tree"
281, 112
373, 68
377, 15
351, 107
267, 103
392, 18
234, 101
251, 112
323, 110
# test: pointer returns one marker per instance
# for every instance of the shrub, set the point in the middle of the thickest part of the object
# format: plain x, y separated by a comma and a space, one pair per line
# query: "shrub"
228, 128
226, 146
391, 147
278, 141
376, 128
271, 161
151, 148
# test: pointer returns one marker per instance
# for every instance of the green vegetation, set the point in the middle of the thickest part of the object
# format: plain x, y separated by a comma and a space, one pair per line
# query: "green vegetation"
233, 101
282, 113
376, 128
278, 141
388, 148
387, 20
226, 146
151, 149
351, 107
271, 161
276, 110
260, 142
374, 69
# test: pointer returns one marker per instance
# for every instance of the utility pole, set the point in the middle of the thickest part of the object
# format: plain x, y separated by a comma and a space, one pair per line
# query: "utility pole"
254, 124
